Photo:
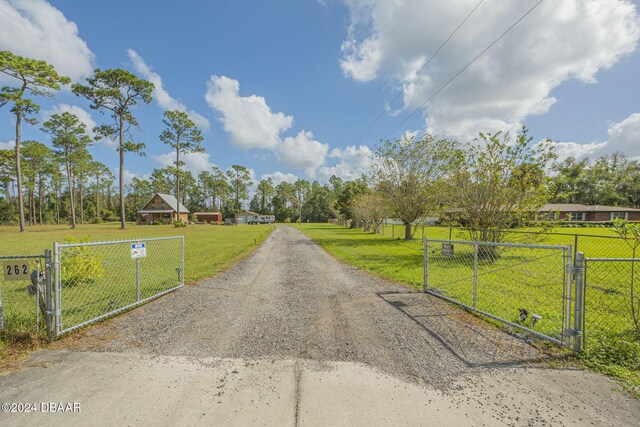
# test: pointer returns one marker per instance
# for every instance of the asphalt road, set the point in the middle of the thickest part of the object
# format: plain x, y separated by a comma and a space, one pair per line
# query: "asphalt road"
290, 336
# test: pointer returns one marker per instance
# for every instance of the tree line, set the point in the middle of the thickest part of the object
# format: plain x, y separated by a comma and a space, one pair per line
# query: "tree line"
491, 183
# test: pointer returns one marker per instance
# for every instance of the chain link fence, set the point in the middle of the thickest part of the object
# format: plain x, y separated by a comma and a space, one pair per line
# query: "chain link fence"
23, 291
525, 286
94, 280
612, 301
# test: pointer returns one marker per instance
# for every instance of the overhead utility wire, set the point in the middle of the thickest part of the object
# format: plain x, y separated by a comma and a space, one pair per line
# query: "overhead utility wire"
419, 71
462, 70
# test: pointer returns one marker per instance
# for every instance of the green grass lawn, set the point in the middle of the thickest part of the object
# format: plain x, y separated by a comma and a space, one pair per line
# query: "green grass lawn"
100, 279
517, 278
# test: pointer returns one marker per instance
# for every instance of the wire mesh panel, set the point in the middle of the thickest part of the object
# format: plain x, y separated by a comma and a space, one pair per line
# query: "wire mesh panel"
98, 279
22, 295
612, 301
524, 286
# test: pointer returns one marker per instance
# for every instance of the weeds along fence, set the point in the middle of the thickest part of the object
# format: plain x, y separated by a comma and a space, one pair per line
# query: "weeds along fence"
80, 283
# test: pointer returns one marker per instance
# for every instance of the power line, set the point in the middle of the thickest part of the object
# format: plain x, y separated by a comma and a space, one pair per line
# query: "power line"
419, 71
462, 70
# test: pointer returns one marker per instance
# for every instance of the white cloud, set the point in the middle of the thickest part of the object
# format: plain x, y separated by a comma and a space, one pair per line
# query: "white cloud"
193, 162
8, 145
560, 40
353, 162
36, 29
278, 177
624, 137
129, 175
248, 120
162, 97
302, 152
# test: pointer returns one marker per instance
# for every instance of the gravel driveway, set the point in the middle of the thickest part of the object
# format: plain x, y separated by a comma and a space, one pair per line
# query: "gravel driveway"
291, 301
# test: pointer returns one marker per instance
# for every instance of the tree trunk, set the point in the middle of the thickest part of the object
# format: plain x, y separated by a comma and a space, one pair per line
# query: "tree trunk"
19, 171
32, 205
81, 200
72, 202
121, 174
407, 231
40, 197
58, 205
98, 219
178, 183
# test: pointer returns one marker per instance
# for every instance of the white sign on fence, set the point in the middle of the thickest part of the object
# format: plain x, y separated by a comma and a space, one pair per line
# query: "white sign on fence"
138, 250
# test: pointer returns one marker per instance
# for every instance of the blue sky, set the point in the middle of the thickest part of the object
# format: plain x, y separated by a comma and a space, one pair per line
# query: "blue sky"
287, 87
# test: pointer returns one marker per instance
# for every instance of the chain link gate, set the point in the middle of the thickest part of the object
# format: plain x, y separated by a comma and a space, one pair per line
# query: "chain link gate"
95, 280
525, 286
25, 295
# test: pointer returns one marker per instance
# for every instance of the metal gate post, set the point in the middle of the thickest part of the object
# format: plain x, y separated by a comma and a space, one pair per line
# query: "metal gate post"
425, 279
475, 276
578, 319
57, 255
48, 293
569, 273
182, 271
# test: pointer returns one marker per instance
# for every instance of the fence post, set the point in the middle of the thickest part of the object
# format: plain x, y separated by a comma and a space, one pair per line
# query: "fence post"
425, 279
393, 231
57, 262
48, 293
578, 319
569, 268
138, 279
182, 271
475, 276
575, 247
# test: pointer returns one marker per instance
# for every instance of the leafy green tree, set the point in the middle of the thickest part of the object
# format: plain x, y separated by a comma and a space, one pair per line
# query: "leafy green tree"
500, 183
239, 180
184, 137
36, 78
7, 172
301, 189
161, 180
265, 193
283, 207
346, 199
317, 207
99, 171
37, 157
117, 91
569, 183
81, 171
69, 137
409, 173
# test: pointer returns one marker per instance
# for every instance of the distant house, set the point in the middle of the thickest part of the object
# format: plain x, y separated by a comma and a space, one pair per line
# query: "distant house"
209, 217
162, 208
577, 212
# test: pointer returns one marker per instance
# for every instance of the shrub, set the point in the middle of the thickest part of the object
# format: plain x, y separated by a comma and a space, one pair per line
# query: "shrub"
179, 224
287, 221
80, 264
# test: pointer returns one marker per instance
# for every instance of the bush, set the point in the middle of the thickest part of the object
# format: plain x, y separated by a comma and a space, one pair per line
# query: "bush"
179, 224
80, 264
287, 221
